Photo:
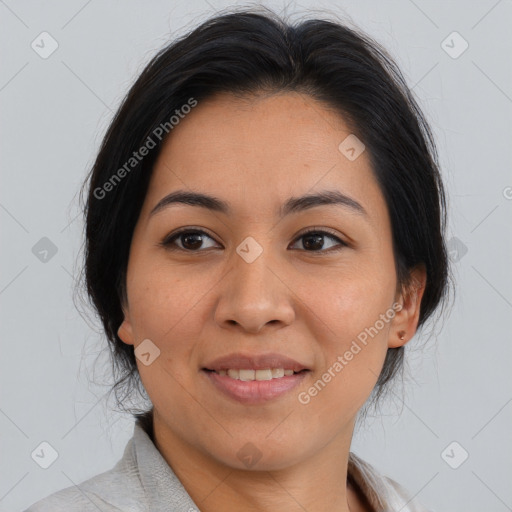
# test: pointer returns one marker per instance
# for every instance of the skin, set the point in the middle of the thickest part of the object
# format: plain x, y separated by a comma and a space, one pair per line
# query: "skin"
308, 304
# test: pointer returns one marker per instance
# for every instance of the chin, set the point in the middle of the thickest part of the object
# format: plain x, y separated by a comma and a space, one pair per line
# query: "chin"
260, 455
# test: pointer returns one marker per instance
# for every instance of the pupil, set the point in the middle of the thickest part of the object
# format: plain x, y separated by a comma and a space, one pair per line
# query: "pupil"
187, 237
316, 245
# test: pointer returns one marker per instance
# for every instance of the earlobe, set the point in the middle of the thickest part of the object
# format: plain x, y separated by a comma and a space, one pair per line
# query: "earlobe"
398, 338
406, 319
125, 331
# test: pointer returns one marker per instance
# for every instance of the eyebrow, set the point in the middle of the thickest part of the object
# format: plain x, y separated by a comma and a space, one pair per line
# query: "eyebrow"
292, 205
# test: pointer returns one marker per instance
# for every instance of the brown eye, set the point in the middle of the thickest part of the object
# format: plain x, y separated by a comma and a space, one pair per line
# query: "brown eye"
193, 240
313, 241
190, 240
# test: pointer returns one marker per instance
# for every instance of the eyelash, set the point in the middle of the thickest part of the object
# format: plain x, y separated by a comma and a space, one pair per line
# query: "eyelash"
168, 241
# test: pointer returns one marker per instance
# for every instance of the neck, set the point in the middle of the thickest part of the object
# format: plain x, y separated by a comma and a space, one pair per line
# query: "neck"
316, 484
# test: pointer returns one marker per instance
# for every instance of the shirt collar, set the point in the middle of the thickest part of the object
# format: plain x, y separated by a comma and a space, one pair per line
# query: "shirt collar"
162, 488
164, 491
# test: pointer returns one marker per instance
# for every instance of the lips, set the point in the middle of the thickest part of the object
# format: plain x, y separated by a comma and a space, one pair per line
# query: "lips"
254, 362
254, 379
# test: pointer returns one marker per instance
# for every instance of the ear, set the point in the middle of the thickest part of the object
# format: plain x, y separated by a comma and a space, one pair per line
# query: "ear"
125, 331
407, 304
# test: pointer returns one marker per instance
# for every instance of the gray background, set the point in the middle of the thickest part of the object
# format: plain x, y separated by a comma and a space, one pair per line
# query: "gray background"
54, 113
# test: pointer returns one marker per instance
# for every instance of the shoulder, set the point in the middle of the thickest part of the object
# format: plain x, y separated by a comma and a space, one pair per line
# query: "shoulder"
400, 496
141, 481
111, 491
382, 492
72, 499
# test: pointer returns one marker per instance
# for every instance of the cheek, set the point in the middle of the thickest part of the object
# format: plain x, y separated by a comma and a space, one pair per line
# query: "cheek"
346, 301
351, 319
167, 308
163, 302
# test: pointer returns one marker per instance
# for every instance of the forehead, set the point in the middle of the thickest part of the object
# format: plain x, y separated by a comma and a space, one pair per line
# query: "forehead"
258, 151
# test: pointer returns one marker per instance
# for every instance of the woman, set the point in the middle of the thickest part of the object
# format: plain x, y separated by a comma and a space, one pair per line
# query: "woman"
264, 234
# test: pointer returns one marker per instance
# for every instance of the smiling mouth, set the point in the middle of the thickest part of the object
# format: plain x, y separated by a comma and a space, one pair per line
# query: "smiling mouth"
247, 375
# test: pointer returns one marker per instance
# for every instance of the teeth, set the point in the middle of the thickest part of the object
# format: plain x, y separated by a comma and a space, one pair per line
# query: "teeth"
234, 374
264, 374
248, 375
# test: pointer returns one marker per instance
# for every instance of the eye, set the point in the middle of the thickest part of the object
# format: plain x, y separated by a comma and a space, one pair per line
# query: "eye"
313, 240
193, 239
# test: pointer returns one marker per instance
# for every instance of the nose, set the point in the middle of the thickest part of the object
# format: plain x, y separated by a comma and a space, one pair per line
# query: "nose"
252, 295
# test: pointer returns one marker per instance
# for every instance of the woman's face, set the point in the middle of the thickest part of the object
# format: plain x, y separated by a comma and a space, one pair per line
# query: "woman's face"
251, 292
